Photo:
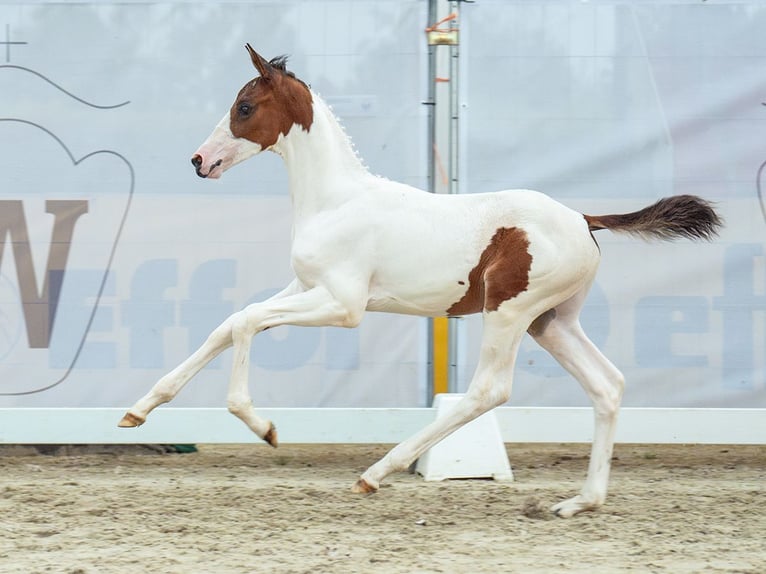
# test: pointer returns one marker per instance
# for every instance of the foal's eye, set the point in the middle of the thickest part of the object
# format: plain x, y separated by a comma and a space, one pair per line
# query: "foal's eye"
244, 109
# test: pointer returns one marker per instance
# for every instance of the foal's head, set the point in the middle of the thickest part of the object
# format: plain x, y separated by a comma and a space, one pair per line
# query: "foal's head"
265, 108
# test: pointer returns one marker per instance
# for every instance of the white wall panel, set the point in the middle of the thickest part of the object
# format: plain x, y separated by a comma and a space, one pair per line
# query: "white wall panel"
608, 106
104, 103
604, 105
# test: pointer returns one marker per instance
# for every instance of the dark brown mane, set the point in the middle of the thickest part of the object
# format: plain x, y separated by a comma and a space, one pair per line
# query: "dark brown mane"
280, 63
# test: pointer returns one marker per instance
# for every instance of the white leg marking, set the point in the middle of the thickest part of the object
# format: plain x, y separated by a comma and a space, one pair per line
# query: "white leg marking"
315, 307
169, 386
566, 341
490, 387
239, 402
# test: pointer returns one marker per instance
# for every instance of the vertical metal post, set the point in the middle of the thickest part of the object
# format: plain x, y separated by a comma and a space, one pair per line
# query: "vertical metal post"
443, 57
454, 144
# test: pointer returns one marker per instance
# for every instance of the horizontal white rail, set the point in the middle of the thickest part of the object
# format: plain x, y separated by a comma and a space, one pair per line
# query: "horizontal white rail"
374, 425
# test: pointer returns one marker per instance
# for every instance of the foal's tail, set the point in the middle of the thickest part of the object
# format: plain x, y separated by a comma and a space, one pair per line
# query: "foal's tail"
670, 218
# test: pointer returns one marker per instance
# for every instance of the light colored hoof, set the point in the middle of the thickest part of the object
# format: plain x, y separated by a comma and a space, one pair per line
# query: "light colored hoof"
130, 420
361, 486
271, 435
573, 506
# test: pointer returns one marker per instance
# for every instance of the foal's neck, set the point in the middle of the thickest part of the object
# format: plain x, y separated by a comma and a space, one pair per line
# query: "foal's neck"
323, 168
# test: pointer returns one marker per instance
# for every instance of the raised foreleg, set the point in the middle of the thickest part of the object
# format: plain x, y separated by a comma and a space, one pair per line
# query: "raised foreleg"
315, 307
564, 338
169, 386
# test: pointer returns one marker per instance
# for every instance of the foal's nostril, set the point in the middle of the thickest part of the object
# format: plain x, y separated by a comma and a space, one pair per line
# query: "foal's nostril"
196, 160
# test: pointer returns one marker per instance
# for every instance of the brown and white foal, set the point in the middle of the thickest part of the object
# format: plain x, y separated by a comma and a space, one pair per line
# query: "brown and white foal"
364, 243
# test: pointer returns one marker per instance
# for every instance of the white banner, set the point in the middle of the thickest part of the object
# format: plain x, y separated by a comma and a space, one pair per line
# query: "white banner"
116, 260
608, 106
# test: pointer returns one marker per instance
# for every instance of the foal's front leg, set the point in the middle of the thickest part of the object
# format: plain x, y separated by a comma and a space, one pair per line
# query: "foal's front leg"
239, 402
325, 308
316, 307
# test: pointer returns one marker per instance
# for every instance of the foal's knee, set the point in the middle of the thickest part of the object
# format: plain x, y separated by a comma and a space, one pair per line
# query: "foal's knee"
239, 324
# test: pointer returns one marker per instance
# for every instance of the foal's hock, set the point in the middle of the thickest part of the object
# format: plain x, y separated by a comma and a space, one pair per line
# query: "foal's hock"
364, 243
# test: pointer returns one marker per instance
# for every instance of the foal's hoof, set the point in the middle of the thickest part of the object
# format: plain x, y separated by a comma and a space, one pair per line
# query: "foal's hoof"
361, 486
573, 506
130, 420
271, 435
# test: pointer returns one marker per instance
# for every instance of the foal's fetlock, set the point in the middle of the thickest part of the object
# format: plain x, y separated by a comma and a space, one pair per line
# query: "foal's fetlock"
364, 486
576, 505
271, 435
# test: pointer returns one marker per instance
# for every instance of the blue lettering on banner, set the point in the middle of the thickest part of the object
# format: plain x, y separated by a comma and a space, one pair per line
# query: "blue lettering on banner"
738, 305
75, 308
658, 319
205, 308
285, 347
147, 313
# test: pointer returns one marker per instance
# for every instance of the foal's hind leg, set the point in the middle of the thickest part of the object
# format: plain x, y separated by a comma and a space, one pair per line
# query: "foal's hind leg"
490, 387
169, 386
564, 338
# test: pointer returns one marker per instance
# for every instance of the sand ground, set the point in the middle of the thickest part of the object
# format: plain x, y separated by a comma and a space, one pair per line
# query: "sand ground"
249, 508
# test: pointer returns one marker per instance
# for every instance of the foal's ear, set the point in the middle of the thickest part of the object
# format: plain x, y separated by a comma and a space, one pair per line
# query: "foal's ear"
263, 67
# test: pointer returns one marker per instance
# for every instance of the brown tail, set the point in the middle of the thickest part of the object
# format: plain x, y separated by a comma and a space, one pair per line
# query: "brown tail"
670, 218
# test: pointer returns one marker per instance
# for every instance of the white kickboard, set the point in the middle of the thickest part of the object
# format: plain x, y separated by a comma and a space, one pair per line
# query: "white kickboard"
474, 451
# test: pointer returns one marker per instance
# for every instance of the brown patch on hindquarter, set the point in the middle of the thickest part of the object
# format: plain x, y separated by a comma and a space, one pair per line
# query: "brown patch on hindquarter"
501, 273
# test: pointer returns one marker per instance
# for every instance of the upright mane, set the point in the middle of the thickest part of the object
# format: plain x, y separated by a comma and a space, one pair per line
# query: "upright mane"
280, 63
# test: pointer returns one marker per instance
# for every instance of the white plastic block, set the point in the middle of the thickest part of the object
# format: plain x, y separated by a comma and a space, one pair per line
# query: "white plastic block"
475, 450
